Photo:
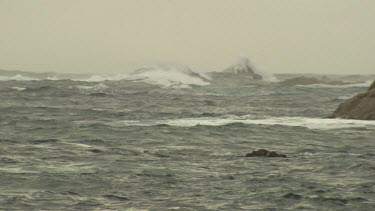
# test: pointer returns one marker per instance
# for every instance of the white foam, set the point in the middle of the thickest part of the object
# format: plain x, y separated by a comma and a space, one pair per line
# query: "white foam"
345, 97
244, 63
20, 77
101, 78
52, 78
17, 78
175, 76
97, 87
359, 85
311, 123
18, 88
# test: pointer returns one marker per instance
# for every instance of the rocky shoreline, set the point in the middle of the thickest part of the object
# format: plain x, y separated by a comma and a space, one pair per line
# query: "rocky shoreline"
360, 106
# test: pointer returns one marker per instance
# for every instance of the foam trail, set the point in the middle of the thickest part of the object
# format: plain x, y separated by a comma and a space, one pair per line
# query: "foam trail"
345, 97
101, 78
357, 85
311, 123
17, 78
97, 87
18, 88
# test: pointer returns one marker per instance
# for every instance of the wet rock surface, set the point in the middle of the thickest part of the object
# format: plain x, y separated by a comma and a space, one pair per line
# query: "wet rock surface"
361, 106
264, 153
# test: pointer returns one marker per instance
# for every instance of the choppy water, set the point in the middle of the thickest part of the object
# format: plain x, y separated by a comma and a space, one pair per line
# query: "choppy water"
123, 145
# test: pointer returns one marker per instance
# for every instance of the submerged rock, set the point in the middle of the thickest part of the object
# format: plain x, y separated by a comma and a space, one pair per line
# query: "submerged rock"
361, 106
264, 153
99, 94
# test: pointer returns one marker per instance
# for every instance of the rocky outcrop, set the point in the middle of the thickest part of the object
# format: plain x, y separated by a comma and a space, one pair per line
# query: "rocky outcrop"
361, 106
243, 68
264, 153
372, 86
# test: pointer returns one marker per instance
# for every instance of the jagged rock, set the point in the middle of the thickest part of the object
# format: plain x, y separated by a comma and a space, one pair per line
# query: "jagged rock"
264, 153
361, 106
245, 68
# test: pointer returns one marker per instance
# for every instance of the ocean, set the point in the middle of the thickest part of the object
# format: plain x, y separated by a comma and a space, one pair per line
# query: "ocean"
167, 141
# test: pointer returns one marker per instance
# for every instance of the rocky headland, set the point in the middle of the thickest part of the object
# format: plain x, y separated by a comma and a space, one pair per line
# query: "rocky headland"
361, 106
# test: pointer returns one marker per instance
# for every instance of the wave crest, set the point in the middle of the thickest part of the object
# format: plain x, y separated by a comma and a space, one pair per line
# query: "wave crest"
311, 123
173, 76
177, 76
17, 77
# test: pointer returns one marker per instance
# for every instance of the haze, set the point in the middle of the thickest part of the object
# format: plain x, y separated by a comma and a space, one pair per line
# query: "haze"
103, 36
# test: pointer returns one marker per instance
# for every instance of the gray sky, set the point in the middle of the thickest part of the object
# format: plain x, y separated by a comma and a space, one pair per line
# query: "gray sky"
306, 36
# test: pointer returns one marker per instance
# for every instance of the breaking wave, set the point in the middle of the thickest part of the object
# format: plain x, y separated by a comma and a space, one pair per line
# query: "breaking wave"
101, 78
246, 65
177, 76
18, 77
311, 123
174, 76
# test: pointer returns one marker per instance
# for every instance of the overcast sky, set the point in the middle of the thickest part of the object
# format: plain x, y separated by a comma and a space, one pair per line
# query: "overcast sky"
290, 36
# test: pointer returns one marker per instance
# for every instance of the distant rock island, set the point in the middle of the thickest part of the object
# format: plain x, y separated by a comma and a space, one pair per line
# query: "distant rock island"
243, 69
361, 106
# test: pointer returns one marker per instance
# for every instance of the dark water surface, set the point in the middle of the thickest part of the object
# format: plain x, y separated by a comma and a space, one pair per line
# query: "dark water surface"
121, 145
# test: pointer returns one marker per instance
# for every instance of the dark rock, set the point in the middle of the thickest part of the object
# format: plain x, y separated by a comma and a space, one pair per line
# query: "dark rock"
264, 153
292, 196
230, 177
361, 106
95, 150
244, 68
114, 197
99, 94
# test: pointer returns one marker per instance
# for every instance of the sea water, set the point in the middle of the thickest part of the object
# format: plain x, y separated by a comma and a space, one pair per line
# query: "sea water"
148, 142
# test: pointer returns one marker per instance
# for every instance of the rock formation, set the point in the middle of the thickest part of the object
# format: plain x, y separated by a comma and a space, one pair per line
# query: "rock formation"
361, 106
264, 153
244, 68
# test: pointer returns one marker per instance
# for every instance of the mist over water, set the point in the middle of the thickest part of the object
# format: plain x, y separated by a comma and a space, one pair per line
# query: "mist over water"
170, 138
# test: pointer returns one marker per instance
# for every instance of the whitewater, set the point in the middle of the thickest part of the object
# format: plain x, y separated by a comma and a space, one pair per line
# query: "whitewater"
169, 138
